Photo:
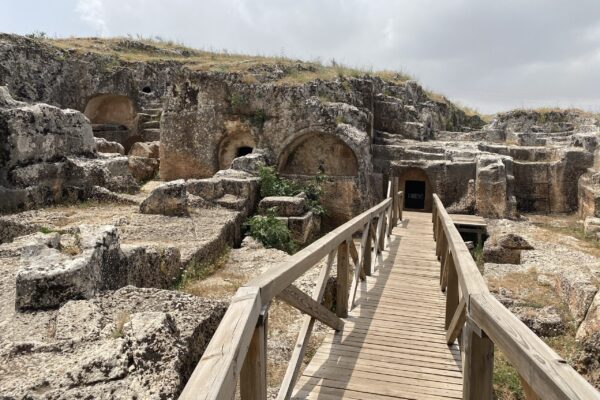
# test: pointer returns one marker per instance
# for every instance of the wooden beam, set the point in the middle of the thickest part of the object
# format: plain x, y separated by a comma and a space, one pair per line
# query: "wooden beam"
293, 368
478, 366
548, 374
457, 322
303, 302
341, 302
215, 375
528, 391
253, 376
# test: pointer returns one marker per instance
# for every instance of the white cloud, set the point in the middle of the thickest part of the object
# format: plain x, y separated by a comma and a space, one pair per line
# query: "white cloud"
92, 12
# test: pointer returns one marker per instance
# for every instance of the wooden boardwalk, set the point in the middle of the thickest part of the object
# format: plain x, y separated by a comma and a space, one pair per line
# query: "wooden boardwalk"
393, 343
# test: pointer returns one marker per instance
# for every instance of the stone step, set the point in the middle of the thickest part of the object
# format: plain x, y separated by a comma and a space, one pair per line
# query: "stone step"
152, 111
150, 135
108, 127
231, 202
151, 125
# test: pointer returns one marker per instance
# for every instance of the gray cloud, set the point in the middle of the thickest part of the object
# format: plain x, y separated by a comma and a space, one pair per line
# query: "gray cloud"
489, 54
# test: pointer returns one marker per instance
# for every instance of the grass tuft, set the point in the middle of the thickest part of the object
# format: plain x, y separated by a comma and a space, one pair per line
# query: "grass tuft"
198, 271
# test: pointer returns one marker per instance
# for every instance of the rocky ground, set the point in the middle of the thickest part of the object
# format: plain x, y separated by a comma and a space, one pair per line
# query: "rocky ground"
554, 290
130, 342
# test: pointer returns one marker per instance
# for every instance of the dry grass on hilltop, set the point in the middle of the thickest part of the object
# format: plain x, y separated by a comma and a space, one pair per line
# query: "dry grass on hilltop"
157, 50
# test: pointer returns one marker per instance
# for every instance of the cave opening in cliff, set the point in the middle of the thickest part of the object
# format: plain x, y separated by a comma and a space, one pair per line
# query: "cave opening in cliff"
243, 151
417, 189
414, 197
233, 146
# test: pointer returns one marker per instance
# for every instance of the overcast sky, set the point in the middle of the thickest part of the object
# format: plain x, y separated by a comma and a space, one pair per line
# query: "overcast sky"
492, 55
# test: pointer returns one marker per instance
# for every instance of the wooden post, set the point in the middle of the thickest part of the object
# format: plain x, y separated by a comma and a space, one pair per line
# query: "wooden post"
395, 201
253, 376
367, 251
478, 364
451, 291
342, 285
400, 206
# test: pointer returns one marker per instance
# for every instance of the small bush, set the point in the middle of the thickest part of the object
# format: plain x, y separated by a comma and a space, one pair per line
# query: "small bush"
271, 232
272, 184
477, 254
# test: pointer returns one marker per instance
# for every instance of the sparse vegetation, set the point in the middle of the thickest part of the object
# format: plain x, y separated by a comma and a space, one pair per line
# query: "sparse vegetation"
271, 232
45, 230
138, 48
477, 254
272, 184
118, 331
198, 271
507, 384
37, 35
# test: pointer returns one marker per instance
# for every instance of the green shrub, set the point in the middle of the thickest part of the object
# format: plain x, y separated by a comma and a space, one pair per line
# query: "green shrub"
272, 184
271, 232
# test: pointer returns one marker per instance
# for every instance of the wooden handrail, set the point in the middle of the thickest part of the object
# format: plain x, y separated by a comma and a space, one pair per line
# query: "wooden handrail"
241, 333
485, 322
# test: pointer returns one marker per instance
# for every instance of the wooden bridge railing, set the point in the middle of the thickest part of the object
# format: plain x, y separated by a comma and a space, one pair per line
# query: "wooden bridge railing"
237, 350
482, 321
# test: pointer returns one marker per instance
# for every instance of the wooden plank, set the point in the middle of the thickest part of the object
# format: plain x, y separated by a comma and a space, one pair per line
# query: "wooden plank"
457, 322
394, 342
253, 376
546, 372
303, 302
215, 375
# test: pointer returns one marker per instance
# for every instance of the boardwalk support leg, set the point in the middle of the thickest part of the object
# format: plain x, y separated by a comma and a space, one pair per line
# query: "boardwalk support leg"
478, 364
341, 304
253, 376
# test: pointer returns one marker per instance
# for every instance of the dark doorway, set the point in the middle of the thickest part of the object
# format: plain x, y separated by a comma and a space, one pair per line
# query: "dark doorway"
414, 195
242, 151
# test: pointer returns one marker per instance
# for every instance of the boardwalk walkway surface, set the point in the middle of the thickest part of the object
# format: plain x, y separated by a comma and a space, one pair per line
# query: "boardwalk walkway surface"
393, 343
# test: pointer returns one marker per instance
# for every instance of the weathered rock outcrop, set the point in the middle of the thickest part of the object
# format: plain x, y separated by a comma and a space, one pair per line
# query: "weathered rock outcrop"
167, 199
49, 277
130, 343
104, 146
49, 155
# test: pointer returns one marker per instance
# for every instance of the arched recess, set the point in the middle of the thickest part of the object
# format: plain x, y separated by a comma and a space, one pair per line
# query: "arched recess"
235, 146
316, 152
417, 189
111, 109
114, 118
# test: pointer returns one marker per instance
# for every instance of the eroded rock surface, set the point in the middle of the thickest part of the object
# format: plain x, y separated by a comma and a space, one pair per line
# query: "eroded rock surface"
131, 343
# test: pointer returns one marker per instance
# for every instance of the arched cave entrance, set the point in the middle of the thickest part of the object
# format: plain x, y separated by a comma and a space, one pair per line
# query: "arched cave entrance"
317, 152
113, 117
417, 189
235, 146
